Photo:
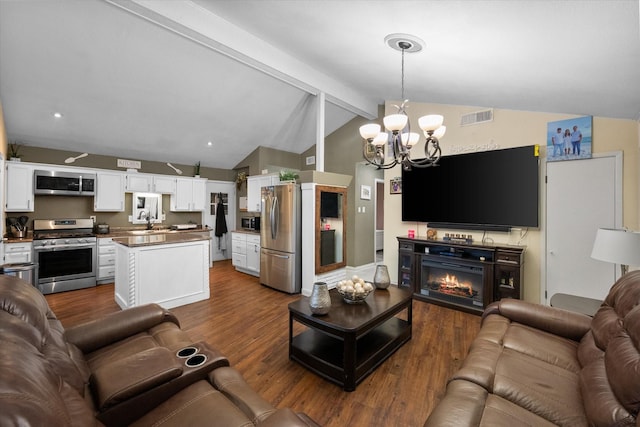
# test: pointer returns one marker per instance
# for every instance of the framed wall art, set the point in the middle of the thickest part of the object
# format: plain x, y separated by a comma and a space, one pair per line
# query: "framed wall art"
569, 139
365, 192
395, 185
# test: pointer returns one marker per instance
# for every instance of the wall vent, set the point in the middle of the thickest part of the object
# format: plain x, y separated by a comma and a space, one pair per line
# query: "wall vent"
477, 117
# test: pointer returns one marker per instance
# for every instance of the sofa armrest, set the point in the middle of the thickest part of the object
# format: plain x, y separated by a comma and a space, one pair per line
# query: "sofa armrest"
554, 320
285, 417
130, 376
98, 333
231, 383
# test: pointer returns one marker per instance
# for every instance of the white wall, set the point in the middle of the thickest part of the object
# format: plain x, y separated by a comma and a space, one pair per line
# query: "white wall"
511, 129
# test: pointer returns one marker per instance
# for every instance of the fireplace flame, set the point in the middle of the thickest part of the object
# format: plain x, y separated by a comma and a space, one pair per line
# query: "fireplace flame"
450, 285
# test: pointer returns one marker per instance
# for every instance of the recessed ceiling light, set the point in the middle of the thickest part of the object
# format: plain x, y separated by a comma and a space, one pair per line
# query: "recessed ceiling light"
57, 115
209, 144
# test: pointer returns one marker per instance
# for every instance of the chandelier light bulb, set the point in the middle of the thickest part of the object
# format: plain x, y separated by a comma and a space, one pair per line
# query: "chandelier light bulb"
369, 131
430, 122
395, 122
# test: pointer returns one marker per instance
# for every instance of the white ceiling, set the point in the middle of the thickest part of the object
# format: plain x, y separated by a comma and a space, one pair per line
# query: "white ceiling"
157, 80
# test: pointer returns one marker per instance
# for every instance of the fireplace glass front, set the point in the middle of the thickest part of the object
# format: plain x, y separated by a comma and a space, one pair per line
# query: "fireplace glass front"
452, 282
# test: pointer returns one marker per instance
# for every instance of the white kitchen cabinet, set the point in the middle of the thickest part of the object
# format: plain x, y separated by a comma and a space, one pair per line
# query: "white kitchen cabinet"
189, 195
106, 260
245, 252
109, 195
149, 183
239, 250
138, 182
19, 187
253, 254
18, 252
254, 187
164, 184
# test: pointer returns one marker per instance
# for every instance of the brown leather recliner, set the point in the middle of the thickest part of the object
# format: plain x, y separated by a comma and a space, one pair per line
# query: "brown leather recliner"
122, 369
535, 365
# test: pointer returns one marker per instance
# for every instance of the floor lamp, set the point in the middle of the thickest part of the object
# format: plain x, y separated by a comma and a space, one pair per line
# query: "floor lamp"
617, 246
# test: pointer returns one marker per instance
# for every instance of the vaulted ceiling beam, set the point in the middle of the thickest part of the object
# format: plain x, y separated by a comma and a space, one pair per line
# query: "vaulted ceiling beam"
204, 27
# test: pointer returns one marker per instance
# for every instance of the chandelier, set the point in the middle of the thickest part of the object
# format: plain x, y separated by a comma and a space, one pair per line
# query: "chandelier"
398, 136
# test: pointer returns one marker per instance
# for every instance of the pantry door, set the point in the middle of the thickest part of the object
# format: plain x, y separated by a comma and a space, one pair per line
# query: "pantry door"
582, 196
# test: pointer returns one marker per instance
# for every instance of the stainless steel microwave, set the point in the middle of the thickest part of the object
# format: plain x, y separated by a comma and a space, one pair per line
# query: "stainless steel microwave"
251, 223
64, 183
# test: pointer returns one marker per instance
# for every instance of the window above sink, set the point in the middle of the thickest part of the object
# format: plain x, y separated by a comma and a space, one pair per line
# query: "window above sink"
146, 207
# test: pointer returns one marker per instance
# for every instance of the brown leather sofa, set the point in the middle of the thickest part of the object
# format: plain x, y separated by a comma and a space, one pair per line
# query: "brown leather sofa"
123, 369
535, 365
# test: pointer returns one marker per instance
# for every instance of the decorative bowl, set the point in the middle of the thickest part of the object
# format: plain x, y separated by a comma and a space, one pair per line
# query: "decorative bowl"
355, 290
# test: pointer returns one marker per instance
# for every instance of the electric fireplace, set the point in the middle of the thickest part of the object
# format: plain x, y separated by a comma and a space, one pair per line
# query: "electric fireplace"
456, 282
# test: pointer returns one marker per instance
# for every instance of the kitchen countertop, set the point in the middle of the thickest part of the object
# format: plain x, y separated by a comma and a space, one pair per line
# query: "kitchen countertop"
240, 230
17, 240
116, 232
159, 239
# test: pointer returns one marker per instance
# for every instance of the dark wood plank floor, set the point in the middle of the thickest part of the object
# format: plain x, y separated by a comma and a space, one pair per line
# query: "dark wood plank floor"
249, 324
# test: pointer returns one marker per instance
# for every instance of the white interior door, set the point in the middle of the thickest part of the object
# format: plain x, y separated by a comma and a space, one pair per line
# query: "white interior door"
220, 247
582, 196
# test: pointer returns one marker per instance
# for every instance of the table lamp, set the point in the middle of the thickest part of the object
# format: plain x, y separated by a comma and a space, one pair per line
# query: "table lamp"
618, 246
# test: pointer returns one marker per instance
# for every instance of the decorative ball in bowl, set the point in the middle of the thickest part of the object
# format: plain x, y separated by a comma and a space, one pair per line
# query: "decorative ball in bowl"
354, 290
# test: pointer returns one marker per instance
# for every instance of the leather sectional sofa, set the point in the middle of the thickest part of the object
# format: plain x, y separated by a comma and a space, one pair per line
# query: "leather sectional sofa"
533, 365
124, 369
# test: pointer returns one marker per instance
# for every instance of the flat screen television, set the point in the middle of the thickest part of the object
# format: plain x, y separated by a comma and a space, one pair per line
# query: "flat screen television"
329, 205
488, 190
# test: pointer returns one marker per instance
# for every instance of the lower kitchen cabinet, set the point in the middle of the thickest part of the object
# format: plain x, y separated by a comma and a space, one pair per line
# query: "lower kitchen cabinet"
253, 254
106, 260
245, 253
18, 252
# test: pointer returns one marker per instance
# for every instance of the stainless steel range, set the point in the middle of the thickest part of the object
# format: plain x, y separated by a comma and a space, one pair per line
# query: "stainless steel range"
65, 250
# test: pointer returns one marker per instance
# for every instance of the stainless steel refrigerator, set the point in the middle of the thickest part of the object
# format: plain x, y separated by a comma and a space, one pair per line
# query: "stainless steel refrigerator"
280, 239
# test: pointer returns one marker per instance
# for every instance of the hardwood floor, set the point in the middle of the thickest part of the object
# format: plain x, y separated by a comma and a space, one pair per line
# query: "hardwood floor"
249, 323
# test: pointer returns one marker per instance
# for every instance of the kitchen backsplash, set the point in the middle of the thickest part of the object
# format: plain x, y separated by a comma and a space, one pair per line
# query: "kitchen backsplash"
52, 207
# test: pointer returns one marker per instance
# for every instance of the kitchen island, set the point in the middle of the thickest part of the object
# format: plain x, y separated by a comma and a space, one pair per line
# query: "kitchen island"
167, 269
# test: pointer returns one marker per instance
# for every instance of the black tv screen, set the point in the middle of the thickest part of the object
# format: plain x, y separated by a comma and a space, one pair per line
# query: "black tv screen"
483, 190
329, 205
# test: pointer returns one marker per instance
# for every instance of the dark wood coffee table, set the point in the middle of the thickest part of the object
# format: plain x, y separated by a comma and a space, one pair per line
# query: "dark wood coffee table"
351, 341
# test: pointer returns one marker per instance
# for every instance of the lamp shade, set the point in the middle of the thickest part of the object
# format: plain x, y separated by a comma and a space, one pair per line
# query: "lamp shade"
380, 139
369, 131
410, 139
430, 122
395, 122
439, 133
617, 246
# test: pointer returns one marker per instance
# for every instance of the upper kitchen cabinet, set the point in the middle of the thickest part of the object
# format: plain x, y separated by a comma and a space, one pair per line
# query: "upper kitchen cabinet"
254, 190
19, 187
109, 195
136, 182
190, 194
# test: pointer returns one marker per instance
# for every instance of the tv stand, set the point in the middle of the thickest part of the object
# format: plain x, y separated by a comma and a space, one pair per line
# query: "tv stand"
494, 270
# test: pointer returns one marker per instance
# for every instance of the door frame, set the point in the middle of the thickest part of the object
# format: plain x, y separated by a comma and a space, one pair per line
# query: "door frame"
231, 216
618, 217
375, 217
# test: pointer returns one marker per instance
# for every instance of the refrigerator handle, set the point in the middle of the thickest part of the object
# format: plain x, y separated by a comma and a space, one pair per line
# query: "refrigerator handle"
274, 217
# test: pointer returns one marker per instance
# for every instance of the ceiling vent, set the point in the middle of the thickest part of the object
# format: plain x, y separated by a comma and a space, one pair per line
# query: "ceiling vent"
477, 117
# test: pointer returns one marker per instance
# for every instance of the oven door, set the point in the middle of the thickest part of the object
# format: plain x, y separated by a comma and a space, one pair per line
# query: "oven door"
64, 268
